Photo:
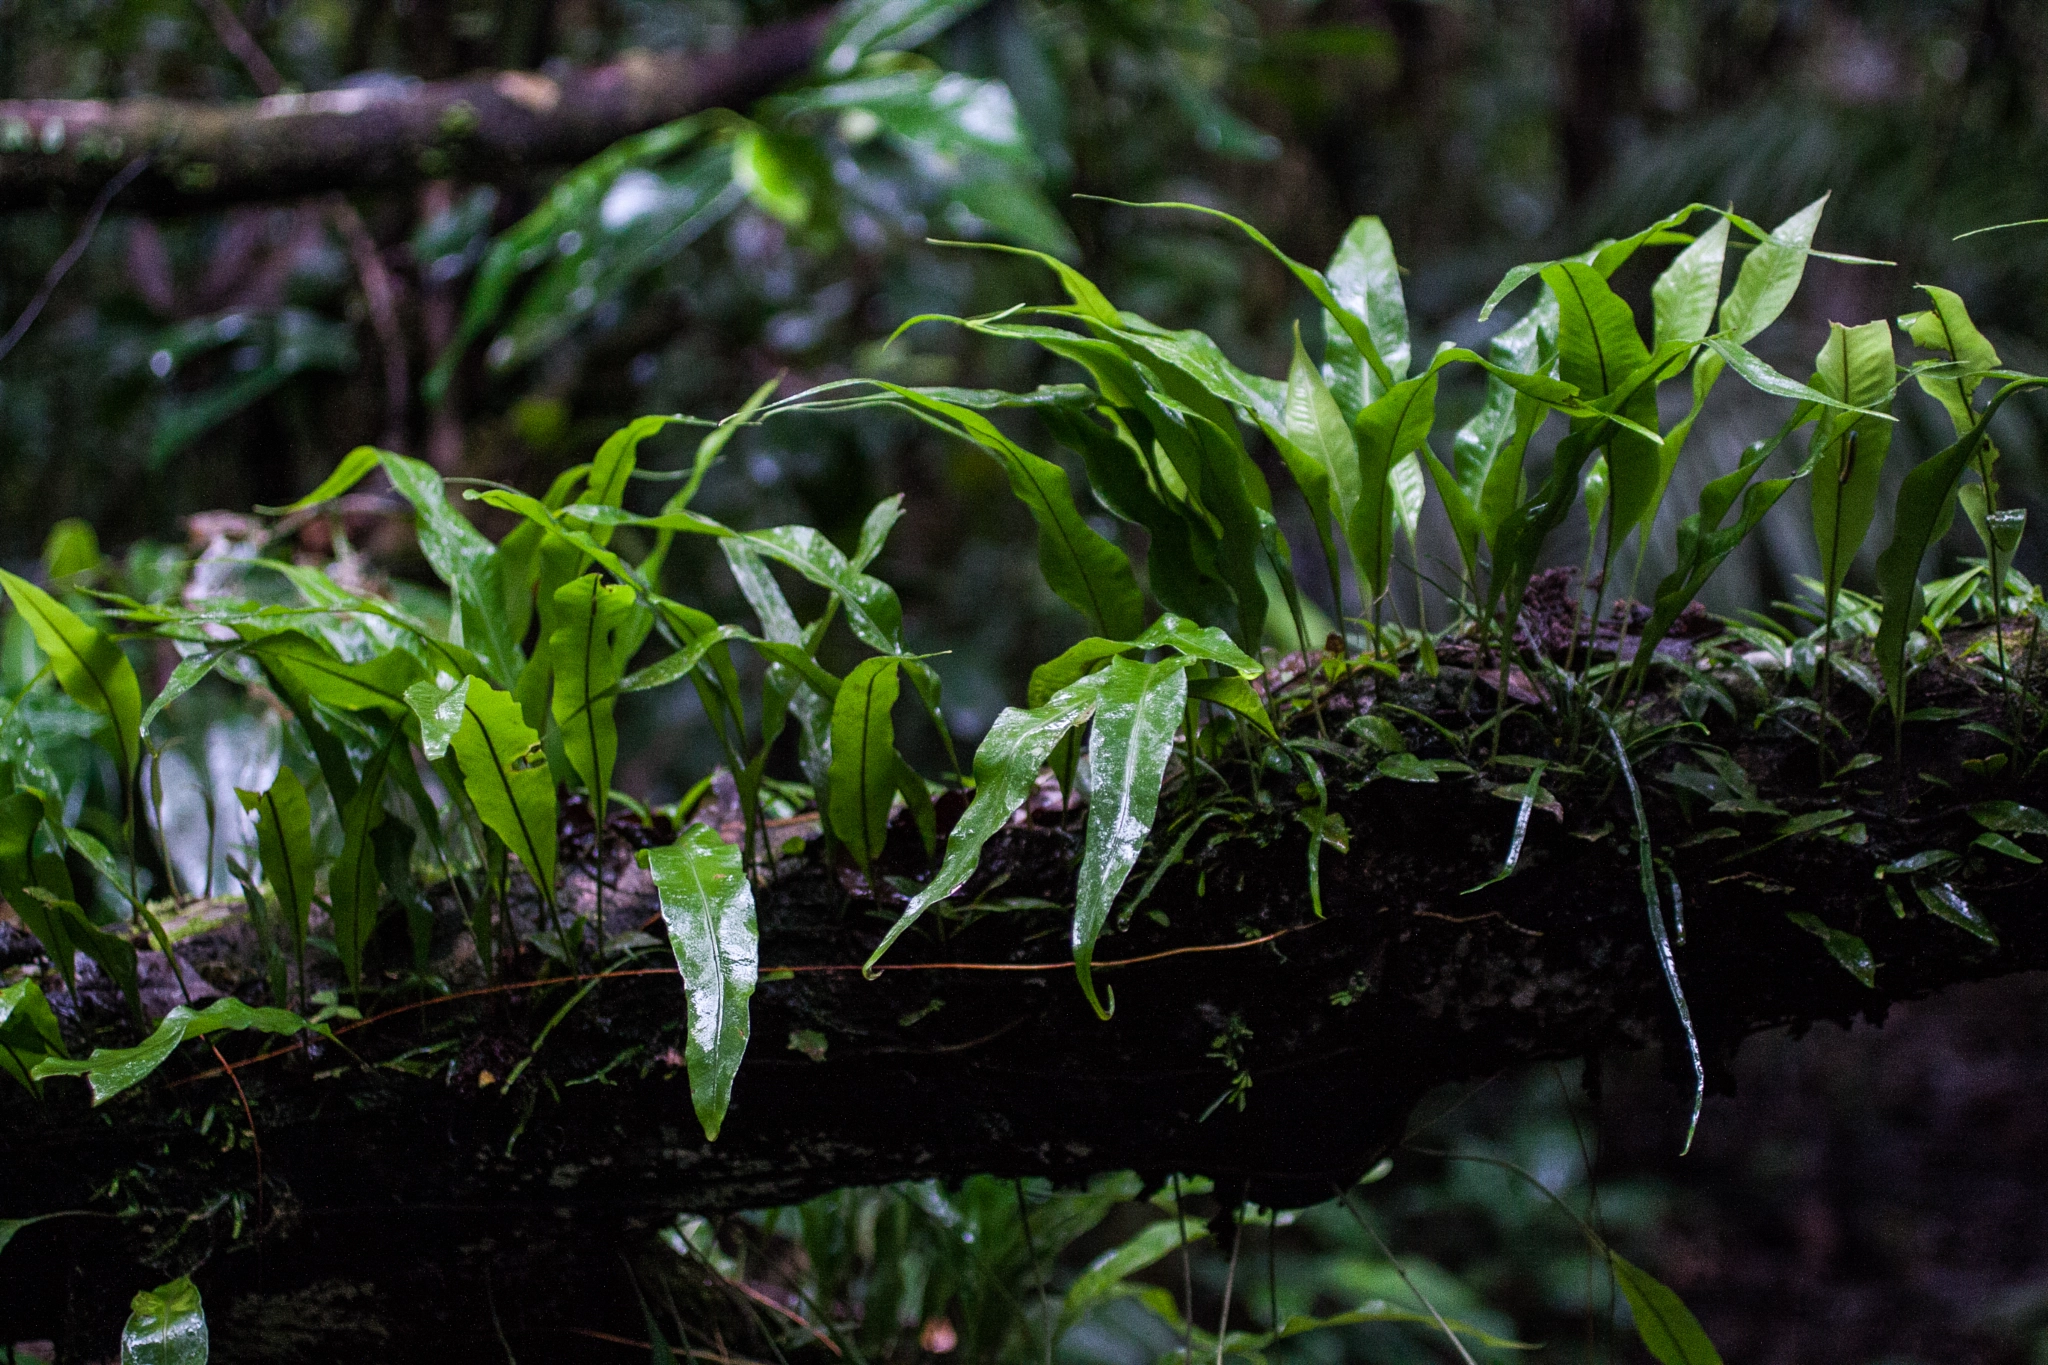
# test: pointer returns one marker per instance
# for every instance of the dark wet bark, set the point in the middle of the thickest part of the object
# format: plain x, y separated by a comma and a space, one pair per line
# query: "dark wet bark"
482, 127
429, 1195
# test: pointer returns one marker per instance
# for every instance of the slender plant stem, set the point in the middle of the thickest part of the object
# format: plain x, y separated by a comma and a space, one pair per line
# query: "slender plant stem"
1187, 1279
1229, 1282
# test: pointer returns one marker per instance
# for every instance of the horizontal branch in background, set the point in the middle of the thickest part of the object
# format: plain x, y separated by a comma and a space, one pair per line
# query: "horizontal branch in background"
482, 127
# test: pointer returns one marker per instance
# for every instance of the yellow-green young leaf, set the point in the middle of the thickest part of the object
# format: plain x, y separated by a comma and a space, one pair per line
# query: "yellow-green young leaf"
1683, 298
1315, 441
112, 1070
586, 649
353, 884
770, 169
1770, 275
284, 845
1137, 709
353, 469
89, 665
1669, 1330
1390, 429
505, 772
1855, 365
1006, 769
709, 908
439, 712
463, 558
1364, 278
1946, 327
166, 1326
863, 757
28, 1032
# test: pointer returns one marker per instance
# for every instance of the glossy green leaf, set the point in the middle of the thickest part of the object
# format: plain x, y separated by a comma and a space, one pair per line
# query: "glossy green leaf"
1854, 365
166, 1326
1704, 544
1770, 275
506, 775
354, 883
1393, 427
864, 757
1948, 903
1087, 571
284, 846
1919, 515
1684, 296
1098, 1283
1667, 1327
773, 170
111, 1070
1354, 327
2009, 817
587, 652
463, 558
1365, 278
1233, 694
190, 672
1315, 442
708, 905
1138, 708
1844, 947
89, 666
377, 684
21, 816
1947, 327
1006, 768
28, 1033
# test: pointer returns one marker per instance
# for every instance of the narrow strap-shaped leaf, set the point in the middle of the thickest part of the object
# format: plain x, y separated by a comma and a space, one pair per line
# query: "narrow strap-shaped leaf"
1761, 376
1770, 275
1856, 365
89, 665
1180, 559
586, 652
1393, 427
1704, 544
1918, 515
506, 775
463, 558
1365, 278
1667, 1327
708, 906
284, 847
1138, 709
1352, 325
190, 672
863, 771
354, 887
377, 684
1605, 258
112, 1070
1006, 767
1086, 570
21, 815
1684, 296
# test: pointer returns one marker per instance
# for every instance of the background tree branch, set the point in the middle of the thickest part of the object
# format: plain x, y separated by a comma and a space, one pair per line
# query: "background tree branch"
483, 126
